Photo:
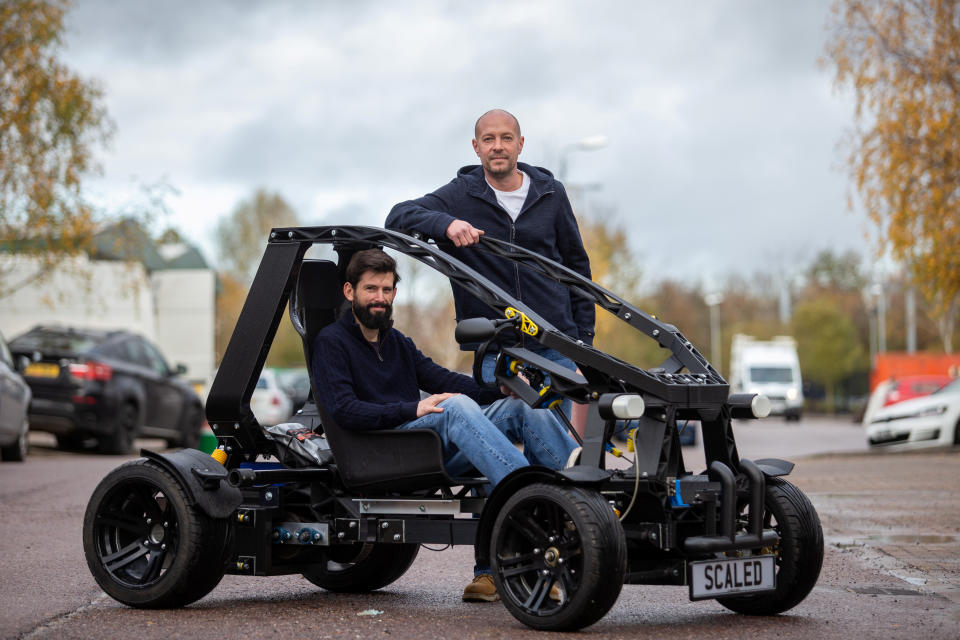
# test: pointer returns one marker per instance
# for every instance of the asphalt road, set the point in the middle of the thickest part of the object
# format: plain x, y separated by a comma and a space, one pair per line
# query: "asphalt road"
891, 570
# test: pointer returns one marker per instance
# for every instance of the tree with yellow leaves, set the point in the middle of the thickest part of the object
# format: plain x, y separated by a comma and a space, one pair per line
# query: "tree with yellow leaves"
902, 59
50, 122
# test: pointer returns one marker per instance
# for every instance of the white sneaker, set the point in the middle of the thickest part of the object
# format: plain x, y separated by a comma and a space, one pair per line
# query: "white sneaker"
574, 458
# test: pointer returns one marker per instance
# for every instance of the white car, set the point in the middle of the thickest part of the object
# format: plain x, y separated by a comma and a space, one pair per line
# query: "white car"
929, 421
270, 403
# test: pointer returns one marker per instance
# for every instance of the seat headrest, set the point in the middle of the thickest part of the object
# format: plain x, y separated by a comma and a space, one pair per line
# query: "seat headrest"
316, 298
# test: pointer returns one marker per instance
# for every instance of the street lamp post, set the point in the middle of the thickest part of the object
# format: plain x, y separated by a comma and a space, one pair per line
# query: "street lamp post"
590, 143
714, 300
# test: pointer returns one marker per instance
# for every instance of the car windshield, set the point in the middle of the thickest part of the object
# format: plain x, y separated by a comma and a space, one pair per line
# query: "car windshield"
771, 374
55, 341
953, 387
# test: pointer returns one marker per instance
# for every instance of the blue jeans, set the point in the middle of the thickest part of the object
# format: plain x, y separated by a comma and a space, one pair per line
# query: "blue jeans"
490, 363
484, 437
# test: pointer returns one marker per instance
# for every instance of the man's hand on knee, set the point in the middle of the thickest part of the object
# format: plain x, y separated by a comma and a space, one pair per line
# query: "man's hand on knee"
429, 404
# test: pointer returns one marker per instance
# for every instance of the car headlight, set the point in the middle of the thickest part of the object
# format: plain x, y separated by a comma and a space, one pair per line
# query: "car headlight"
937, 410
931, 411
791, 394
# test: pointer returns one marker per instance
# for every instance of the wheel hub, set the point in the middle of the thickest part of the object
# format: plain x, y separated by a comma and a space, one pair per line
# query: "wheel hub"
551, 556
157, 534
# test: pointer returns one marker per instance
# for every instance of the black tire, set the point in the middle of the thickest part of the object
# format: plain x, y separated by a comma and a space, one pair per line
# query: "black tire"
360, 568
145, 545
127, 424
799, 552
956, 433
17, 452
189, 429
548, 534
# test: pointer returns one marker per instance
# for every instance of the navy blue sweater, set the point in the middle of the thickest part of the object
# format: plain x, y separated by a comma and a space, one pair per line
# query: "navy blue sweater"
545, 225
367, 386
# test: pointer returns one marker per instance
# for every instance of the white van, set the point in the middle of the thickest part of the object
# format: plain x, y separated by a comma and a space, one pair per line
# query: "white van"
770, 367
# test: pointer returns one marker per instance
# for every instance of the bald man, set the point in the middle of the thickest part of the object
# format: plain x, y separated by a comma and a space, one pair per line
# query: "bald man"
516, 202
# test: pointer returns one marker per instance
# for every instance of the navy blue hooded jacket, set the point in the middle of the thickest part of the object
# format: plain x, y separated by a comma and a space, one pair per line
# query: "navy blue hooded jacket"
545, 225
378, 387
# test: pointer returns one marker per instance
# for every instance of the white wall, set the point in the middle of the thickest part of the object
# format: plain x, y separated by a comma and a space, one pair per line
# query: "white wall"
82, 293
185, 308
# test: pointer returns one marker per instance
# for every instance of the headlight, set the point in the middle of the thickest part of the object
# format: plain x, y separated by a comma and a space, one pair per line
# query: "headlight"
791, 394
937, 410
932, 411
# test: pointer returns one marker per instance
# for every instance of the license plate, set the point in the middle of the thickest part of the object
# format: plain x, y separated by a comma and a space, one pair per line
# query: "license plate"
42, 370
712, 578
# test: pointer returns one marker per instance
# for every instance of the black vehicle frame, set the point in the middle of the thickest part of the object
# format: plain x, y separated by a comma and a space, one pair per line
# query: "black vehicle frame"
162, 530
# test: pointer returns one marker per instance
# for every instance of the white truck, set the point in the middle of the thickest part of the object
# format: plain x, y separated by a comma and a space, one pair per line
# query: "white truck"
770, 367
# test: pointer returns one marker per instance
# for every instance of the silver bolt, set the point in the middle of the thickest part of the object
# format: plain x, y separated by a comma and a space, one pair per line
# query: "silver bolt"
396, 537
163, 546
353, 524
268, 496
675, 572
149, 521
384, 525
333, 232
559, 560
552, 539
643, 475
236, 425
653, 536
228, 449
166, 524
363, 507
423, 508
546, 572
536, 550
627, 316
656, 332
340, 535
146, 541
289, 234
273, 234
317, 536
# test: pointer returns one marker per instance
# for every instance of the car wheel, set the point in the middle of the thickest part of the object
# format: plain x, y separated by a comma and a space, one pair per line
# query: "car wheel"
146, 545
956, 433
189, 430
558, 556
17, 452
359, 568
799, 552
120, 442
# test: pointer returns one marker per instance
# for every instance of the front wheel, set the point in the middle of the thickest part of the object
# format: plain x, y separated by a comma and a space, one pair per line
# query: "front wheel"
359, 568
17, 452
145, 545
559, 556
799, 553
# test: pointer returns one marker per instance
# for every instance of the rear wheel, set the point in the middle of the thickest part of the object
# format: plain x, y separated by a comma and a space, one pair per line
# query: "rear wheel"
559, 556
17, 452
799, 553
362, 567
120, 442
145, 545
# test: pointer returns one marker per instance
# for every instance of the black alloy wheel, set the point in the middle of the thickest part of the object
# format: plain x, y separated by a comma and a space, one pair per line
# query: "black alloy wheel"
145, 545
799, 552
358, 568
559, 556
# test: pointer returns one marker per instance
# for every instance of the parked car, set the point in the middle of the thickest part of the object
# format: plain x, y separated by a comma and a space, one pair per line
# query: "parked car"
270, 403
14, 401
920, 422
110, 385
296, 383
909, 387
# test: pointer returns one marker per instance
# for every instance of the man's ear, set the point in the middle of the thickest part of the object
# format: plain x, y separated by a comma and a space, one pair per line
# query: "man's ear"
348, 291
476, 149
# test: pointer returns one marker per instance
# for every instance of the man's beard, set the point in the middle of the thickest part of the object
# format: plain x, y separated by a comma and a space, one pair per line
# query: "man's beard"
370, 320
501, 173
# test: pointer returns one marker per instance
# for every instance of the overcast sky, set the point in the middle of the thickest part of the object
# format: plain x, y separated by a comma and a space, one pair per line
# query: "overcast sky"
723, 133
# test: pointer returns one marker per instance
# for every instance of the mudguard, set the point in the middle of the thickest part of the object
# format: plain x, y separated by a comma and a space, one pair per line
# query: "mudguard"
516, 480
773, 467
203, 478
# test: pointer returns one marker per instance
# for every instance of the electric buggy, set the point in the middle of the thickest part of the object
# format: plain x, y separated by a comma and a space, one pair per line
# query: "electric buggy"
162, 530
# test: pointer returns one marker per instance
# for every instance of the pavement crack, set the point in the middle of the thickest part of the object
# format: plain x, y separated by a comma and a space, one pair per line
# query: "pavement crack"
57, 621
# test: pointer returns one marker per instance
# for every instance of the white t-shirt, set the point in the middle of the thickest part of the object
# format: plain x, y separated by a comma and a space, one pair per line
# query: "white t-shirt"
513, 201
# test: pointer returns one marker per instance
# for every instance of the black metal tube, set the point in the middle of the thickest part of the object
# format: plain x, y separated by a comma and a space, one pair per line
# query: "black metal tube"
757, 490
251, 477
728, 507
